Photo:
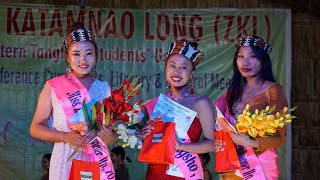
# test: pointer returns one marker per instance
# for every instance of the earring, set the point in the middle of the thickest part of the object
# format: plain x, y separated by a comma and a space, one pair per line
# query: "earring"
191, 90
93, 73
68, 71
168, 85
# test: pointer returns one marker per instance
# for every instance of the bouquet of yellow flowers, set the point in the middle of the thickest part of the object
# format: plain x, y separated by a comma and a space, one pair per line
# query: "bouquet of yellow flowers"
263, 123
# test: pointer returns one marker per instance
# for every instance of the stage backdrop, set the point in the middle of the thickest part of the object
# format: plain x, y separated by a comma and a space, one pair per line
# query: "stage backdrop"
130, 41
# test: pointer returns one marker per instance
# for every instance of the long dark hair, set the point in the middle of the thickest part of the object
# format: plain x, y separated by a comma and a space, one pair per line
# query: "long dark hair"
234, 93
120, 151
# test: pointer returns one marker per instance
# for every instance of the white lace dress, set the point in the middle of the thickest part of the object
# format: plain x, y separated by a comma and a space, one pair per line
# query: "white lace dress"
59, 166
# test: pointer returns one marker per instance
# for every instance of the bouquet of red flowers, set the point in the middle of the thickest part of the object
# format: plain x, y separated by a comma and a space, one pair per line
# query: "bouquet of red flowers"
117, 111
118, 108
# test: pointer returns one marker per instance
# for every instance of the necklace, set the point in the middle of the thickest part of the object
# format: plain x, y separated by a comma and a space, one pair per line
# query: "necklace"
179, 98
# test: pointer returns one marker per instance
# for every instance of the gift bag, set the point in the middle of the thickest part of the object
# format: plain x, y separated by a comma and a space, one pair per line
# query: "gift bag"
226, 160
159, 146
84, 170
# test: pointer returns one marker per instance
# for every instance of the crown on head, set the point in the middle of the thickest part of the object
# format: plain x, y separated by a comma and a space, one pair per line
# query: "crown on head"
254, 41
188, 49
80, 34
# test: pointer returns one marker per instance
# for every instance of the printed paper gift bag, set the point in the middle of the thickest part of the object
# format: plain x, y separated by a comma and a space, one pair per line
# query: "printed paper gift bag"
226, 160
159, 146
84, 170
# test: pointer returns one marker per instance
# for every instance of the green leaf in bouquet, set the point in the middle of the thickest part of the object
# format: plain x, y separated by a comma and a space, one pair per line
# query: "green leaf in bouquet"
85, 112
102, 107
272, 109
107, 119
94, 124
144, 103
137, 87
294, 108
134, 81
94, 113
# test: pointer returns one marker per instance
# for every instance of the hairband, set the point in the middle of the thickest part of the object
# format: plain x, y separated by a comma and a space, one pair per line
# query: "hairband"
254, 41
80, 34
185, 48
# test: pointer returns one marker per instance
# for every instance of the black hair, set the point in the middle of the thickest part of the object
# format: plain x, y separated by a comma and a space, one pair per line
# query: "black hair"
234, 93
47, 156
206, 157
118, 150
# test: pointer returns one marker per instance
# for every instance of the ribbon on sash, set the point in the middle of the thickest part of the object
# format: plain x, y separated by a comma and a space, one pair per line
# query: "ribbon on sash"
71, 94
186, 165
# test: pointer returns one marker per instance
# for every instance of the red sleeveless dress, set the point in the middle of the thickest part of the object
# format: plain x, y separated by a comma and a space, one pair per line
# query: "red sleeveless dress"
158, 171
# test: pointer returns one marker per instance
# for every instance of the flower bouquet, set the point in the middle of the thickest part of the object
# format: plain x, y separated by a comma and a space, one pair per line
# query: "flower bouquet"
263, 123
128, 119
115, 109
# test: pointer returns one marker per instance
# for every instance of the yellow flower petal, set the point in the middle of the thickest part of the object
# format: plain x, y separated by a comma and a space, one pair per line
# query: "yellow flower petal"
267, 108
241, 128
252, 132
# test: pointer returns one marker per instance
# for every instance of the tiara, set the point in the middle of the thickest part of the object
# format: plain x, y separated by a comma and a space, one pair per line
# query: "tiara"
77, 35
254, 41
185, 48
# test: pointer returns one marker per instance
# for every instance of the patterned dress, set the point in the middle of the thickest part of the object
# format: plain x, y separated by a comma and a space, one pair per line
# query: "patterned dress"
59, 166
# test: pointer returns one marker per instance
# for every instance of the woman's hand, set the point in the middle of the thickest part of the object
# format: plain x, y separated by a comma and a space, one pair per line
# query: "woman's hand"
107, 135
178, 144
243, 139
75, 139
146, 129
219, 145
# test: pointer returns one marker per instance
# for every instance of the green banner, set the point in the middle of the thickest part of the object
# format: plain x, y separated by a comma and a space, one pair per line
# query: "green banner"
131, 42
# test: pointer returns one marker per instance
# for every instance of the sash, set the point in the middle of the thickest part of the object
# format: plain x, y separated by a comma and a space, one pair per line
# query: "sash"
100, 153
186, 164
71, 94
262, 167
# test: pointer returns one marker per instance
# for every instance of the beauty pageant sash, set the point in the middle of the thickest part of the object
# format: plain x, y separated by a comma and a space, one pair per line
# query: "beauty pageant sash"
186, 165
263, 167
71, 94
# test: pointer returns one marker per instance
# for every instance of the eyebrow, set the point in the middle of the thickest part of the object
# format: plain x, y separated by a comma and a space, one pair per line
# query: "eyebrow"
79, 50
243, 52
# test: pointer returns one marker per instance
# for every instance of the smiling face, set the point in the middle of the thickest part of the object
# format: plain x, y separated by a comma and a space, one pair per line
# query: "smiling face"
178, 70
82, 58
248, 64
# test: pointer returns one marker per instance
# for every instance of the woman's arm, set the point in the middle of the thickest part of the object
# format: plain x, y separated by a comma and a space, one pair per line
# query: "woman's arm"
275, 97
205, 114
39, 129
